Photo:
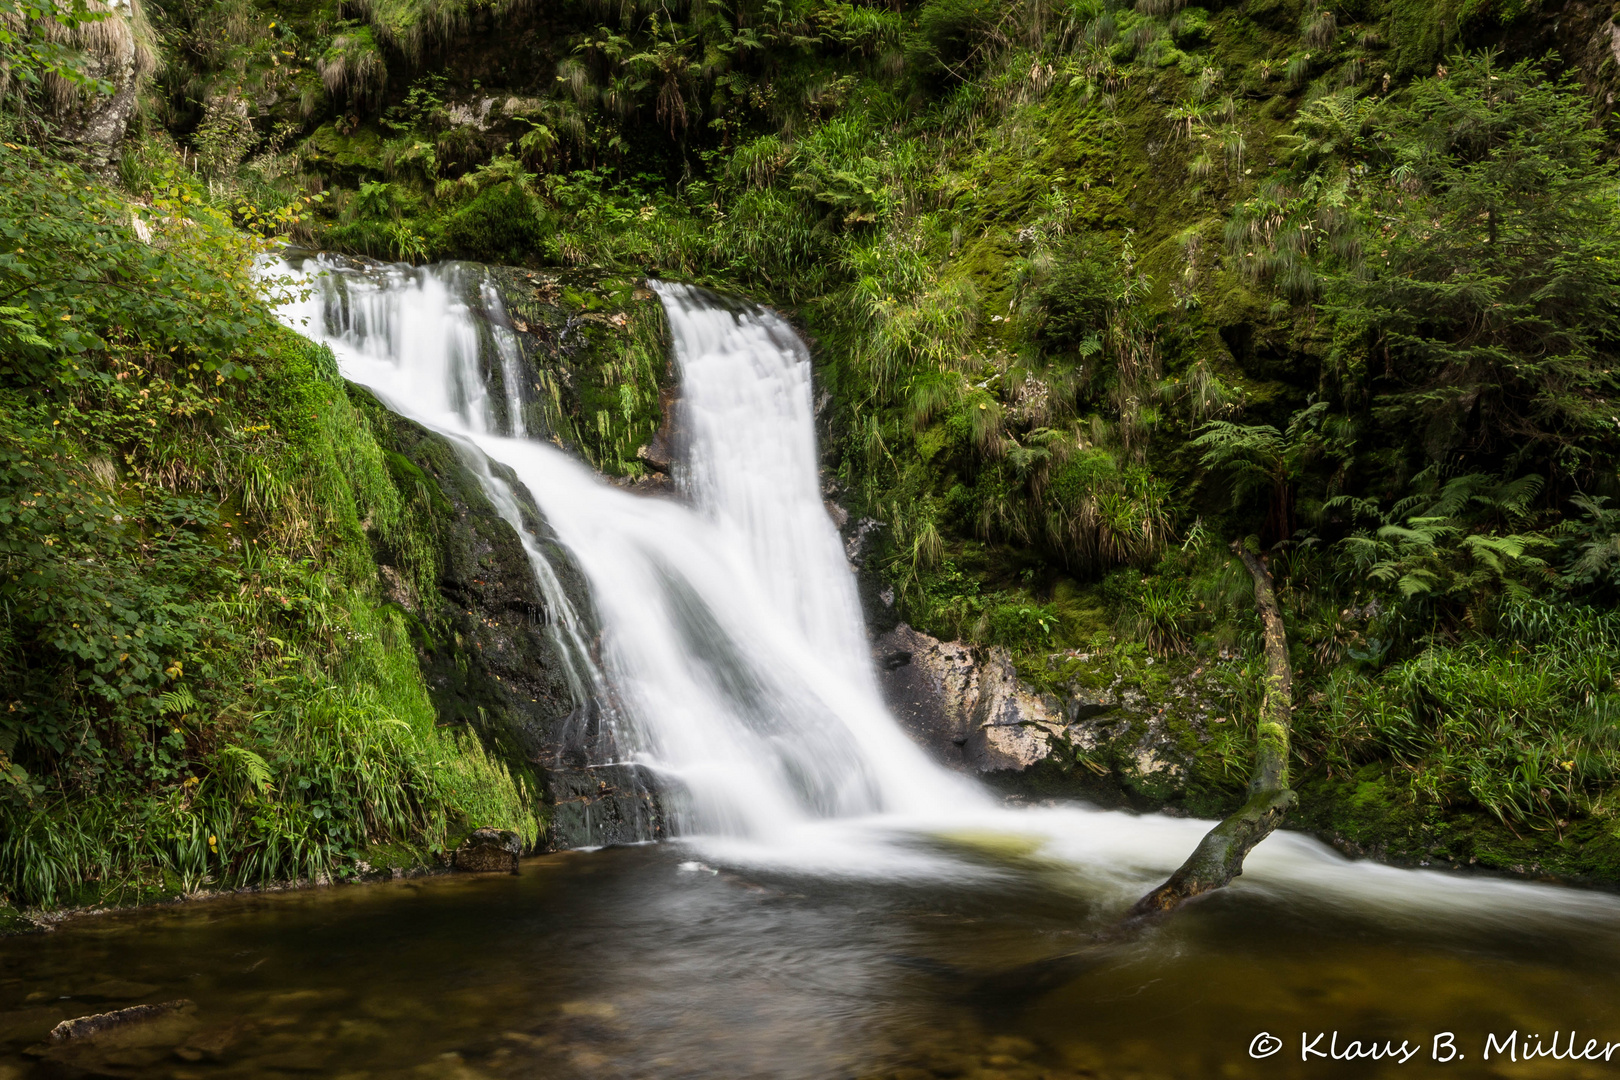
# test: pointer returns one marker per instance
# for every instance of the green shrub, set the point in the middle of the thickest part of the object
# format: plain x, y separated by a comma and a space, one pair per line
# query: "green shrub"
1076, 300
200, 682
950, 36
501, 224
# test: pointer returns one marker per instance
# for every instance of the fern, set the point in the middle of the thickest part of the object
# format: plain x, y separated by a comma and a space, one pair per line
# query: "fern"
176, 702
243, 774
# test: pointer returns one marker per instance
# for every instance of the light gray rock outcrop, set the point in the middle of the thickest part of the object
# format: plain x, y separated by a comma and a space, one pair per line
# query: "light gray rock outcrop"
117, 54
967, 706
1115, 732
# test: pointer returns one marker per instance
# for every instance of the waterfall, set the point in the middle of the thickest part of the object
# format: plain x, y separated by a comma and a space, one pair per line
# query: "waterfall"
408, 336
733, 661
732, 649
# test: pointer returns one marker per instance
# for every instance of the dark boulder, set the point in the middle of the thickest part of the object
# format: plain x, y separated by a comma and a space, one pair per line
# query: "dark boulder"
489, 851
601, 805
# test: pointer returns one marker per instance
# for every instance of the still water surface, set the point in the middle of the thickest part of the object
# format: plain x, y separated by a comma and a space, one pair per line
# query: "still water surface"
643, 962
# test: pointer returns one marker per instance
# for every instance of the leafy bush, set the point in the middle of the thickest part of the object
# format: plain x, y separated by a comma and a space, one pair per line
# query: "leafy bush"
200, 683
502, 224
78, 277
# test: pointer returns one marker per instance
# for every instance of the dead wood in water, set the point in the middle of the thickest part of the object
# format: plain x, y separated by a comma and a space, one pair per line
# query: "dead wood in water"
1219, 856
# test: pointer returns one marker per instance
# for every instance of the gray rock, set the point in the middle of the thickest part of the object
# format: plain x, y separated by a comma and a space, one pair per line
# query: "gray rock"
931, 687
489, 851
112, 52
1013, 724
858, 536
966, 706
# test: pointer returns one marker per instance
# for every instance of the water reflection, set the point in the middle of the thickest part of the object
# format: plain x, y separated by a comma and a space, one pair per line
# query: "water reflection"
635, 962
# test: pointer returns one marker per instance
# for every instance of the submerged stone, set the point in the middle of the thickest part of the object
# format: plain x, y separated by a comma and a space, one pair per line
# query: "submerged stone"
85, 1027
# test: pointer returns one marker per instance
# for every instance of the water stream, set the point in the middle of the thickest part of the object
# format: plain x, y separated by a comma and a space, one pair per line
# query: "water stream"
734, 662
732, 636
633, 963
835, 904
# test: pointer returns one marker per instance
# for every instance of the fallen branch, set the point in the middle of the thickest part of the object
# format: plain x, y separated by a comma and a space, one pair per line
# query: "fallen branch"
1219, 856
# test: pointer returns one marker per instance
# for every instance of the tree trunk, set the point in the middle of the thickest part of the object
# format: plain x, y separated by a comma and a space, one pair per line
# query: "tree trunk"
1219, 856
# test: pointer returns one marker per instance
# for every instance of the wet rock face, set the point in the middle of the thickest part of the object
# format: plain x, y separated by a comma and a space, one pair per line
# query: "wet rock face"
594, 807
486, 654
489, 660
862, 538
661, 451
598, 379
489, 851
1588, 39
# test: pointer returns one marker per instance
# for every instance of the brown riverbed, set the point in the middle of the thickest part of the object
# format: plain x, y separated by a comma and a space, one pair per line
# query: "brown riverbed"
634, 962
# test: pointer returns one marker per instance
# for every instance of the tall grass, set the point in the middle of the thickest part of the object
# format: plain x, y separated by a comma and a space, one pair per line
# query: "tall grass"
1525, 724
311, 786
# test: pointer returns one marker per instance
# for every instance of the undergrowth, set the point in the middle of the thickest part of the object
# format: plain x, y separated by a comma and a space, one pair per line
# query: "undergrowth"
203, 686
1096, 290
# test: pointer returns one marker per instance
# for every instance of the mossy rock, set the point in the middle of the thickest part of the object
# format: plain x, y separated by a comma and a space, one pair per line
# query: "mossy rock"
391, 860
1374, 813
354, 157
502, 224
597, 347
13, 922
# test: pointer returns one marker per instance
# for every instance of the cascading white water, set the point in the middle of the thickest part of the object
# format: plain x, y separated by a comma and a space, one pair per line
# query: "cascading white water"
747, 413
408, 336
731, 633
734, 653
